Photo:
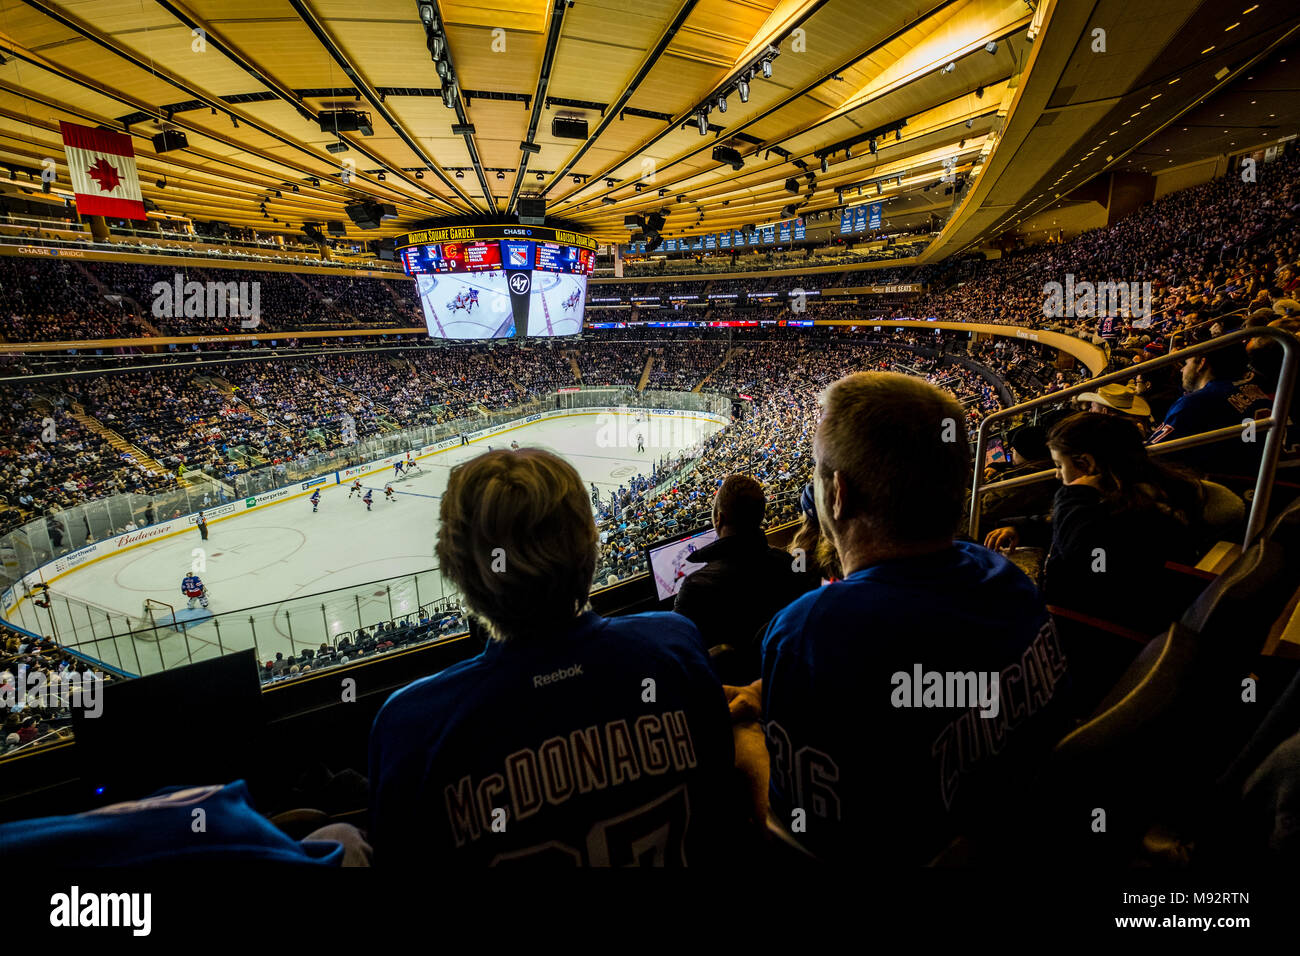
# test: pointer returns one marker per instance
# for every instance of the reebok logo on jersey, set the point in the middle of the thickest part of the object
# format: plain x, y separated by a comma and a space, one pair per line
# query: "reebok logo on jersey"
540, 680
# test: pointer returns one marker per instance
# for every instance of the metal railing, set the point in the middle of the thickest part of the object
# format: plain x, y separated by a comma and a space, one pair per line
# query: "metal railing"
167, 636
1273, 427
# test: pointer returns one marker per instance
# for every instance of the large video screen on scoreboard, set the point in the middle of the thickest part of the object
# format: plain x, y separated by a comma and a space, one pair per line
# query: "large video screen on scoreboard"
463, 289
499, 282
559, 288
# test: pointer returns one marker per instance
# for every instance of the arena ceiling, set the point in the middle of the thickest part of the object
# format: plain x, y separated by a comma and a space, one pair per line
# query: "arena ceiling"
942, 89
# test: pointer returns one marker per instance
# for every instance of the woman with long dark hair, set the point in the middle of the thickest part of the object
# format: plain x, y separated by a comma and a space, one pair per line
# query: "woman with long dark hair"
1117, 518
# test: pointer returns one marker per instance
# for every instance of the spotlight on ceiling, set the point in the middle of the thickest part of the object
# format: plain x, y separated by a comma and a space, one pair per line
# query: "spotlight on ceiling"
426, 12
609, 183
449, 94
979, 92
950, 67
295, 188
500, 175
724, 154
540, 177
970, 122
871, 145
722, 103
991, 46
825, 165
382, 177
460, 174
703, 120
742, 87
879, 189
767, 68
898, 136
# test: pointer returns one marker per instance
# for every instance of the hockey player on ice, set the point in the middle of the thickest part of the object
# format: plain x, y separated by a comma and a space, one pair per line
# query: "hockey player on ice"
315, 500
388, 493
194, 589
640, 443
369, 497
356, 489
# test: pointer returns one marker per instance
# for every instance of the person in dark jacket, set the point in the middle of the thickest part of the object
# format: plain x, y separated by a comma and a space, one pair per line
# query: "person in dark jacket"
743, 581
1118, 516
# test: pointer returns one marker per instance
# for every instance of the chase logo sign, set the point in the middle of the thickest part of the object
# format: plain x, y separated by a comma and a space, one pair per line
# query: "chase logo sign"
519, 283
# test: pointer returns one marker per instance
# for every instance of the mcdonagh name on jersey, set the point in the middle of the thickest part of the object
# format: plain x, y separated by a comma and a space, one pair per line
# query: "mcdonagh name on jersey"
599, 757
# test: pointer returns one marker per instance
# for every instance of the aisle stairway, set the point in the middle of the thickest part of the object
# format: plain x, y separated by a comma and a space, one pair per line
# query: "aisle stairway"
725, 359
120, 444
136, 309
645, 372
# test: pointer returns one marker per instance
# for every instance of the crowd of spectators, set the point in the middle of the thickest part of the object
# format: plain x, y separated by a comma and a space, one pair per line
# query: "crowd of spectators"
53, 301
418, 627
35, 716
49, 461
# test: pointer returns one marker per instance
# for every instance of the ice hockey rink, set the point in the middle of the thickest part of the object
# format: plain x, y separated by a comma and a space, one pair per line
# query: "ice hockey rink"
276, 562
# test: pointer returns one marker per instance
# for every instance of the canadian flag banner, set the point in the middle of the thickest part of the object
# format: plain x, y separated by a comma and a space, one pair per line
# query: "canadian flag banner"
104, 177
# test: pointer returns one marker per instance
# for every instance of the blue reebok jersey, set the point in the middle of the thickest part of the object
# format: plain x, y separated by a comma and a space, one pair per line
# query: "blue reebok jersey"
191, 583
160, 830
875, 767
558, 751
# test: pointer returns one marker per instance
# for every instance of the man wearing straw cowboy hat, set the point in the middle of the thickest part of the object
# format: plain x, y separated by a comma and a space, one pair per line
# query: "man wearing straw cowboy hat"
1120, 400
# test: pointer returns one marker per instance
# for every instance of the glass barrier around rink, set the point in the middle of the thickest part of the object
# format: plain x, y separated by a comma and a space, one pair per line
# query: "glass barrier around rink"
162, 635
40, 541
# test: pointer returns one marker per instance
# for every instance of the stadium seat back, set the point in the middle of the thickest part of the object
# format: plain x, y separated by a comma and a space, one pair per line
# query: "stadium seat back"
1165, 729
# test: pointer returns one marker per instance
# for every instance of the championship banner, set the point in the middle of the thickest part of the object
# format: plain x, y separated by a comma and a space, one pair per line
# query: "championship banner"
104, 176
